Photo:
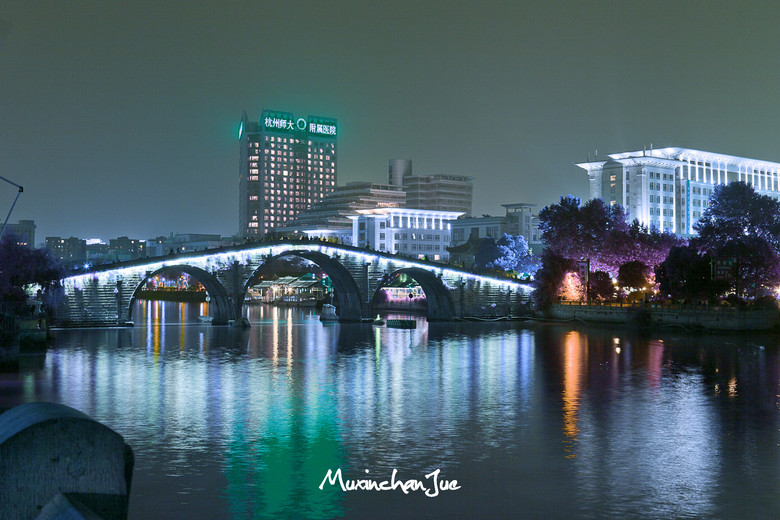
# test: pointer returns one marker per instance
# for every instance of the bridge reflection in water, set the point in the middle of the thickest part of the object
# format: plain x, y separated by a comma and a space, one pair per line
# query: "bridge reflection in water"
245, 423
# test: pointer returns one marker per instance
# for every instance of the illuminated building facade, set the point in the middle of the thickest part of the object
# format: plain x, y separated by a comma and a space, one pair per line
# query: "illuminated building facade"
410, 232
329, 218
286, 164
669, 188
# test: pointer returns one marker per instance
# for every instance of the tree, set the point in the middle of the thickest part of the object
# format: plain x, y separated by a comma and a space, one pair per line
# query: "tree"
756, 265
687, 275
513, 254
577, 231
743, 227
21, 267
485, 254
550, 276
735, 210
634, 275
509, 253
641, 243
601, 286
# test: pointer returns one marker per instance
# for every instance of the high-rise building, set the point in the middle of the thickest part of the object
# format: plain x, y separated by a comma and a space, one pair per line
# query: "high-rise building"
286, 164
669, 188
433, 192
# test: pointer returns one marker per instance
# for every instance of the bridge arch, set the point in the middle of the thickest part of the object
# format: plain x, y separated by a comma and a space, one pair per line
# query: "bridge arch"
349, 305
220, 302
438, 297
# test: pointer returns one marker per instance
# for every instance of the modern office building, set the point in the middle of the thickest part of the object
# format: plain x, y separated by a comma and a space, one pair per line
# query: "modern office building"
411, 232
433, 192
670, 187
286, 164
329, 218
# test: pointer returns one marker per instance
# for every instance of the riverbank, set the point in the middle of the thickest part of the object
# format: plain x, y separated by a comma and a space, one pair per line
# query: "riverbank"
718, 319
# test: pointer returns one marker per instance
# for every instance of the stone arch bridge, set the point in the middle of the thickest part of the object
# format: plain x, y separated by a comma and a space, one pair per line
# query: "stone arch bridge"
105, 295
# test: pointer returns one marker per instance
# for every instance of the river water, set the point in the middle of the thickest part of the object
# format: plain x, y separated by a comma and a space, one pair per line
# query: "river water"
532, 420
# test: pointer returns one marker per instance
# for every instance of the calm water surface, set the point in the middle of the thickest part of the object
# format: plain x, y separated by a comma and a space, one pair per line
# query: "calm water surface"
533, 421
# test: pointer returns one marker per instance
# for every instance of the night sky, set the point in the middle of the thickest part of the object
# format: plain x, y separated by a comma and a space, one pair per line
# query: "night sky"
121, 118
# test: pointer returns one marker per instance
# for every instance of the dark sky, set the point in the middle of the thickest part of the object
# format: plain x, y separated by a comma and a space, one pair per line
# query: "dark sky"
120, 118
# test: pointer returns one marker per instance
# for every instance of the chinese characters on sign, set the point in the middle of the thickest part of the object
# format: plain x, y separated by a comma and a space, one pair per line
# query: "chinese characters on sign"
324, 129
279, 123
286, 123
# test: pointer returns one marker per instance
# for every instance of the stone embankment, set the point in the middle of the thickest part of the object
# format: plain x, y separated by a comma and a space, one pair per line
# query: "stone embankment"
688, 317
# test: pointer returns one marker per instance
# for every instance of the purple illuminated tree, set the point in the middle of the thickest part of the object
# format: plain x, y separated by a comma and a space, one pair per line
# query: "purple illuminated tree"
576, 231
641, 243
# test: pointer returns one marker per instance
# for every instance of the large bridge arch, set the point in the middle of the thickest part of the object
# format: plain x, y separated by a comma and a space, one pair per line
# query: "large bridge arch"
222, 310
440, 305
348, 301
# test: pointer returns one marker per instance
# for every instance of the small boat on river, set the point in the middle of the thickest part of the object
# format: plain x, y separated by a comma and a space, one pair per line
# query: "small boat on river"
402, 324
329, 313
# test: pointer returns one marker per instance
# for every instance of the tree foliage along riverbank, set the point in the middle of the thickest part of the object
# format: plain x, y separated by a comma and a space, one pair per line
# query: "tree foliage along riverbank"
737, 250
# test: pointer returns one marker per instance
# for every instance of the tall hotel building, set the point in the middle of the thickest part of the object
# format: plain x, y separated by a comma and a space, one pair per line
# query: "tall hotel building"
670, 187
286, 164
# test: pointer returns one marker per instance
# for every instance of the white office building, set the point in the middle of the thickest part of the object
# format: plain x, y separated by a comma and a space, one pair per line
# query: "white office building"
670, 187
411, 232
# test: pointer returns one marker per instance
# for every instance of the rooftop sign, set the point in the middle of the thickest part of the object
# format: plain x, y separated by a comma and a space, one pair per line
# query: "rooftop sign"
286, 122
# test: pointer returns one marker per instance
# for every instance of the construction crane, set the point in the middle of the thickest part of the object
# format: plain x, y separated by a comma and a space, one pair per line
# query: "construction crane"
2, 232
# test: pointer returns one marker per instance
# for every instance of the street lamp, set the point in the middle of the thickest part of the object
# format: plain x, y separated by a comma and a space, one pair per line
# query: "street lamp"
12, 205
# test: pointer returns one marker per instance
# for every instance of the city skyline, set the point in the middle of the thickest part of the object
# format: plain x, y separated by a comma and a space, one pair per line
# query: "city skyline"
121, 120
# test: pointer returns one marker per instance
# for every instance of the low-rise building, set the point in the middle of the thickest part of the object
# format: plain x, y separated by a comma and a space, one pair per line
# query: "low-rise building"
24, 231
519, 220
410, 232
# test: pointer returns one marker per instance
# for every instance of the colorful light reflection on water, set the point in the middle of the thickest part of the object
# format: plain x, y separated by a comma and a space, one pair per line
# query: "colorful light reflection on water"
533, 421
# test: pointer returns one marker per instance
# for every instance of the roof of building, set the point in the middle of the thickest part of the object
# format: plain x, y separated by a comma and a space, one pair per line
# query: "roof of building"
681, 155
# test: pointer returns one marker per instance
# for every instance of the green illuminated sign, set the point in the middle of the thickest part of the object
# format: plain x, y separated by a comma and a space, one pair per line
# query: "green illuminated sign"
279, 122
286, 122
326, 127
